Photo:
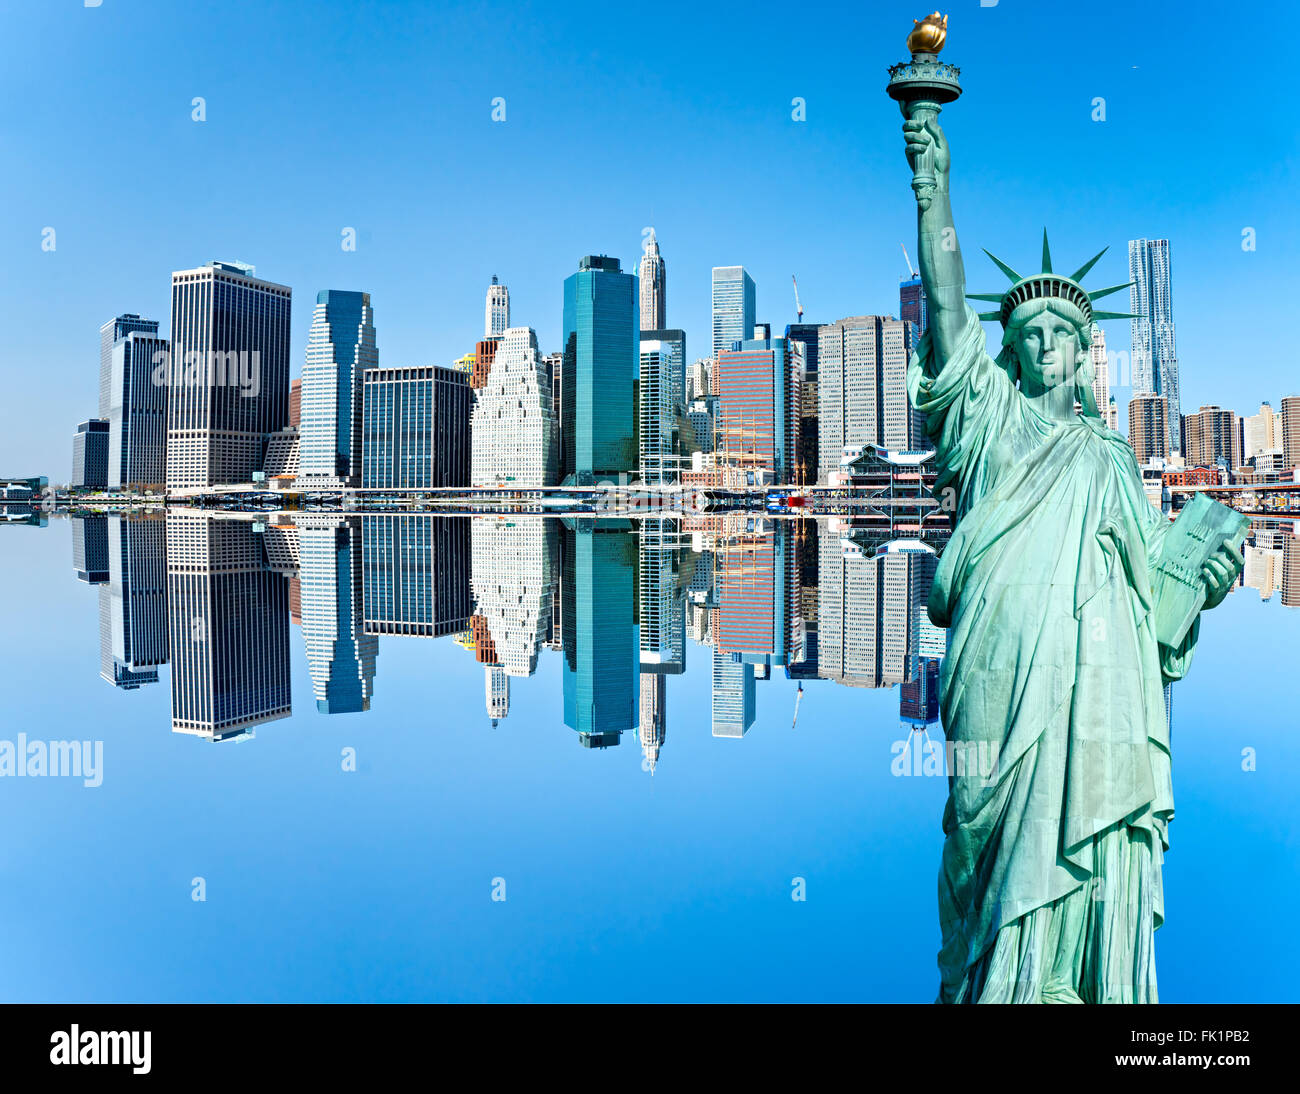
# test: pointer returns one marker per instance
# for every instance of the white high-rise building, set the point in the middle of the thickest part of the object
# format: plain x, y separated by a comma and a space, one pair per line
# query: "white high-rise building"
1263, 432
1100, 371
510, 575
862, 389
496, 692
653, 280
496, 319
513, 425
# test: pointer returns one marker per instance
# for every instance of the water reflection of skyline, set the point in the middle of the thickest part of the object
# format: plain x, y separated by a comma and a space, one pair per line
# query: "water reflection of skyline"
831, 600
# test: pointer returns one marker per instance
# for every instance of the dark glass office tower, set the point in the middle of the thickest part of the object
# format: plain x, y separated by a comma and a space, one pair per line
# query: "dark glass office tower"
417, 574
90, 548
229, 375
228, 623
90, 455
133, 603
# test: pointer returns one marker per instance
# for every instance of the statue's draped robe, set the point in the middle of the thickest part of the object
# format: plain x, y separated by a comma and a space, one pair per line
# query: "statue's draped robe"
1050, 883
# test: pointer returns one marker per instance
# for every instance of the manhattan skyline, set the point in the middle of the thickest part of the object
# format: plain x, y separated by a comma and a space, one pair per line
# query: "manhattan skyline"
802, 197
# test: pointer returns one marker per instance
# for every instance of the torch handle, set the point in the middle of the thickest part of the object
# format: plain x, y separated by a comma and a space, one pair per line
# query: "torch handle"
922, 110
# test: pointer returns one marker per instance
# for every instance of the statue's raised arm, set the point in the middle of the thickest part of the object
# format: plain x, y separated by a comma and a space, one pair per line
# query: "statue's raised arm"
942, 271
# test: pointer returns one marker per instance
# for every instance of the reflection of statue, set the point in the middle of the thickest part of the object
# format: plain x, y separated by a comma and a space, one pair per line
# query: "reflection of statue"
1050, 886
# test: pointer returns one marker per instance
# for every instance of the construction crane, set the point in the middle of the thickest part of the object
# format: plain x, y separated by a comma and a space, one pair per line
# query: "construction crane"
797, 306
797, 696
907, 258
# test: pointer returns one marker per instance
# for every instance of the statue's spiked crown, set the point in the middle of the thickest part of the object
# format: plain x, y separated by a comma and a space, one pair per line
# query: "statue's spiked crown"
1049, 285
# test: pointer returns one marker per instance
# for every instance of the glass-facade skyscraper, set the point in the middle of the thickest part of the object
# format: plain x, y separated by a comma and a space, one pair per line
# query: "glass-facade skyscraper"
759, 407
340, 655
133, 603
228, 628
601, 658
733, 307
90, 455
417, 574
913, 307
137, 410
340, 347
1154, 355
117, 328
662, 387
601, 336
415, 428
229, 376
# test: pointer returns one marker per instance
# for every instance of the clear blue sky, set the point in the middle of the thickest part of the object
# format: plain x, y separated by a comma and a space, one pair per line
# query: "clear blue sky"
377, 116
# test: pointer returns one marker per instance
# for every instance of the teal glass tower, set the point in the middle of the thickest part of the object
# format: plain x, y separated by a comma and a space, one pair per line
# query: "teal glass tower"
601, 650
599, 371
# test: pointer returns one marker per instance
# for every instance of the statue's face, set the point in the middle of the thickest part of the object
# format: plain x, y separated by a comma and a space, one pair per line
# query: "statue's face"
1048, 349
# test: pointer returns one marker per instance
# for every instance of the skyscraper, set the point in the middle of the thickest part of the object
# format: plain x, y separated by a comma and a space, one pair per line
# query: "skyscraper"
133, 398
340, 654
809, 424
662, 620
733, 307
133, 603
229, 375
733, 705
600, 675
1212, 438
601, 333
510, 575
866, 635
653, 281
340, 348
496, 312
417, 574
1100, 370
663, 403
913, 306
862, 389
109, 333
1262, 433
415, 428
1148, 427
760, 406
1154, 356
228, 628
90, 455
90, 548
514, 432
1291, 431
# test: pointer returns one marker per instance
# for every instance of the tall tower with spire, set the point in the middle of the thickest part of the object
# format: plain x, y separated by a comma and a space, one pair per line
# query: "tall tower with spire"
496, 320
654, 285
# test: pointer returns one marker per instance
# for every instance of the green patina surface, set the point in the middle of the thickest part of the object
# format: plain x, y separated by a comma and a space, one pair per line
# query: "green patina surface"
1050, 884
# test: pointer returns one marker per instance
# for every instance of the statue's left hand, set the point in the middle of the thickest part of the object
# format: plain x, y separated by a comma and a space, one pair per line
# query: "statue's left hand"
1220, 573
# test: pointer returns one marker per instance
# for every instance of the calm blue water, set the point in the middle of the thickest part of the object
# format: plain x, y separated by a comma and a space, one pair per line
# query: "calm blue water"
377, 884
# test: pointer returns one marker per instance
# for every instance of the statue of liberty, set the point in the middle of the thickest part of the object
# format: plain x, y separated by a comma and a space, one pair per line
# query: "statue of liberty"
1050, 883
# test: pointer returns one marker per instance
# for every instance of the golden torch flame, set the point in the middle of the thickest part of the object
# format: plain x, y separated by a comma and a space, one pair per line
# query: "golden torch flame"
928, 34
